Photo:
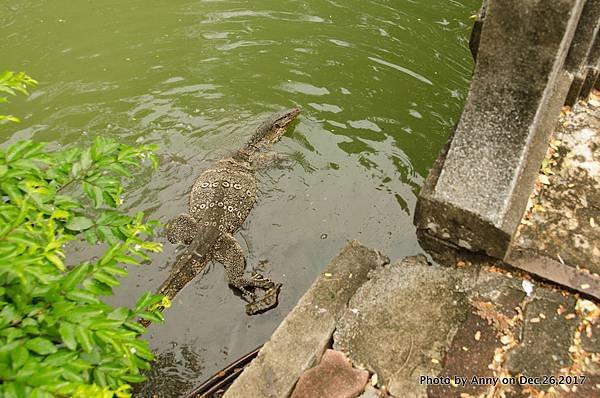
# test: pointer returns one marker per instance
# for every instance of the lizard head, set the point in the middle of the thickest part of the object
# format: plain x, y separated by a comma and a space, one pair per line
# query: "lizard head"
277, 125
181, 229
268, 133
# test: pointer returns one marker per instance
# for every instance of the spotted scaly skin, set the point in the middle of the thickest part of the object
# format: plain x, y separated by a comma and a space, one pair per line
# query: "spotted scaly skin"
220, 200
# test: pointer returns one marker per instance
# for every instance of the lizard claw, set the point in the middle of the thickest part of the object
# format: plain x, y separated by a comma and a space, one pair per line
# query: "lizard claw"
249, 296
258, 277
269, 300
262, 282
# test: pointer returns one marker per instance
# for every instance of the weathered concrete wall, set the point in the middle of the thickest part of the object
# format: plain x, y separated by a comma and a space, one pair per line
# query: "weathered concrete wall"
478, 194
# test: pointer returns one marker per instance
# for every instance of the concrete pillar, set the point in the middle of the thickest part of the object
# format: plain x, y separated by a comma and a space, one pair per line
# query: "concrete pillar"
579, 56
591, 77
575, 89
585, 34
591, 70
477, 198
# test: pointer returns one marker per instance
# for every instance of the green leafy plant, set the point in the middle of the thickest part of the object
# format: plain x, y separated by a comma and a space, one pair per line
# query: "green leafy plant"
12, 83
57, 337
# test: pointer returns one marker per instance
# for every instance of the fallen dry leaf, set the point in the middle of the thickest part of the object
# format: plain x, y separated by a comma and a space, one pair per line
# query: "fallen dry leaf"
486, 311
544, 179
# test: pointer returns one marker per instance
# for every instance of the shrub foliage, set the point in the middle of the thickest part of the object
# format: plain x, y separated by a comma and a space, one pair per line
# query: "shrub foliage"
12, 83
57, 337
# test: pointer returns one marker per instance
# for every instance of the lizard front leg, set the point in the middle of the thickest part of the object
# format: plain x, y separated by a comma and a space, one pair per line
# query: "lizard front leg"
229, 253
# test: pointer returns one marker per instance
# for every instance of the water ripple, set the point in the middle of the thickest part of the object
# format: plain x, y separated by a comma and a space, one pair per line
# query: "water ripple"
402, 69
304, 88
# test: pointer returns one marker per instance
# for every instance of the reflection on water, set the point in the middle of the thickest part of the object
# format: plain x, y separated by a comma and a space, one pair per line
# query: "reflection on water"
173, 372
380, 83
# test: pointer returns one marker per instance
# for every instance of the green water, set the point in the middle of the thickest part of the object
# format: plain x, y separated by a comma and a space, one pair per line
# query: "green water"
381, 83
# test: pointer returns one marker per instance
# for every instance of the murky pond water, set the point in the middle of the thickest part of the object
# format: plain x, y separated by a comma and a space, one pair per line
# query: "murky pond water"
381, 84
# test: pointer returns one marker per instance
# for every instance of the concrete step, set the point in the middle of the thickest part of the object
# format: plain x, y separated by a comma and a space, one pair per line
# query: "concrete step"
305, 333
429, 331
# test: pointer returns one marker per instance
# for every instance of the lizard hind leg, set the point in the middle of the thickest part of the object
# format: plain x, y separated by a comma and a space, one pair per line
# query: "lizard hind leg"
229, 253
